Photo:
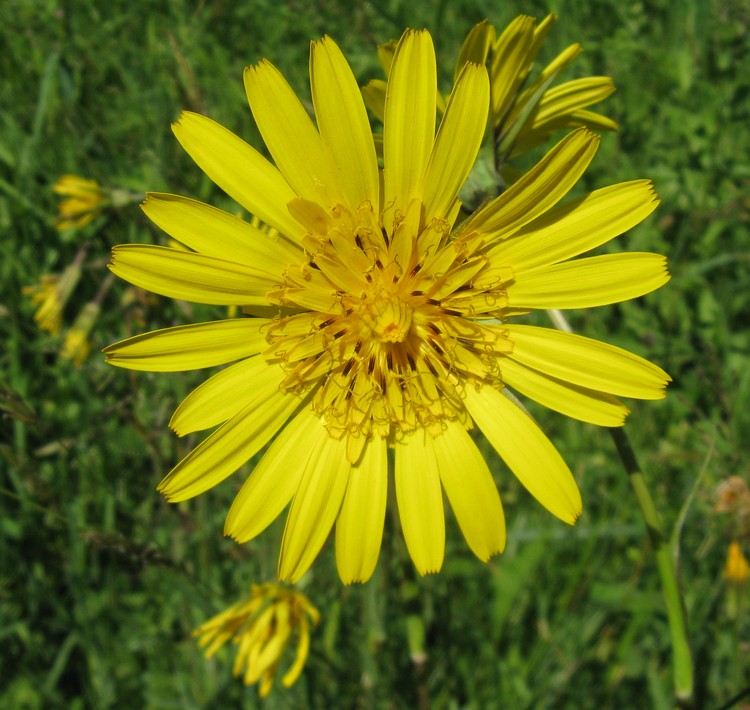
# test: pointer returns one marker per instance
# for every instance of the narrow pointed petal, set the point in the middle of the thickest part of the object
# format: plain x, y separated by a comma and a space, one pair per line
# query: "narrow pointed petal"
527, 451
585, 283
315, 506
578, 226
190, 347
275, 480
225, 394
359, 528
584, 404
219, 234
538, 190
571, 96
509, 61
374, 95
188, 276
586, 362
303, 649
409, 127
471, 491
229, 447
343, 123
457, 143
475, 47
290, 135
420, 501
240, 170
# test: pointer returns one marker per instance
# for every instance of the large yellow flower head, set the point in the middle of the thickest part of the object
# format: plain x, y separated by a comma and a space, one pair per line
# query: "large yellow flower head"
272, 618
386, 326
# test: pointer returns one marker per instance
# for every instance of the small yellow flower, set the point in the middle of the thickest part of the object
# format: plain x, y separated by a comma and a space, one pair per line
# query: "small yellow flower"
77, 346
51, 294
524, 114
263, 625
737, 568
84, 200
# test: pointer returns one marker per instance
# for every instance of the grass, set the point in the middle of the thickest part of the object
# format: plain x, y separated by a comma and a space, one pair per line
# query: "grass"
101, 581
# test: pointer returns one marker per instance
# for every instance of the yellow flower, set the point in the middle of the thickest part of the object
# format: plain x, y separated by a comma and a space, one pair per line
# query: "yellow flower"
85, 200
51, 294
523, 117
263, 626
737, 568
77, 346
384, 326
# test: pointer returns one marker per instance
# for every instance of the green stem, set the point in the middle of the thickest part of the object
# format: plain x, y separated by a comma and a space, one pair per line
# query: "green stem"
670, 588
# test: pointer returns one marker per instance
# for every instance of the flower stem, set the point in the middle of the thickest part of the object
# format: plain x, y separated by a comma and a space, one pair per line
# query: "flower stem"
670, 588
681, 656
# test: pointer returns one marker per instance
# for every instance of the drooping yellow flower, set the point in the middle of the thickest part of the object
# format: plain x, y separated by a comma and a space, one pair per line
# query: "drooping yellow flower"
384, 326
84, 200
51, 294
263, 625
77, 346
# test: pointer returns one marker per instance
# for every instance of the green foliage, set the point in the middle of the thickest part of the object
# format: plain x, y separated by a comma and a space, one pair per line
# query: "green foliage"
102, 582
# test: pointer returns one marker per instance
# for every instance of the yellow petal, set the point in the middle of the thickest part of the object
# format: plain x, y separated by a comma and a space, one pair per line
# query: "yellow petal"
475, 47
229, 447
374, 95
343, 123
189, 276
538, 190
240, 170
226, 393
315, 506
509, 61
409, 127
216, 233
561, 62
303, 649
586, 362
359, 528
578, 226
270, 654
290, 135
457, 143
471, 491
571, 96
578, 402
585, 283
275, 479
190, 347
420, 501
527, 451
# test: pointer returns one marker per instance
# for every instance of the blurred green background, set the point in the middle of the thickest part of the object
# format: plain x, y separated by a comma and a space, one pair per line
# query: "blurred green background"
102, 582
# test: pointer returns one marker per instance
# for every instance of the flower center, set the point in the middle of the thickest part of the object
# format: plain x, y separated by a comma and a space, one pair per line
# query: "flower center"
387, 316
386, 329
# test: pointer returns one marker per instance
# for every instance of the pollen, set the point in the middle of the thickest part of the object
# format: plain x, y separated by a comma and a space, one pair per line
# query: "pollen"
390, 337
388, 317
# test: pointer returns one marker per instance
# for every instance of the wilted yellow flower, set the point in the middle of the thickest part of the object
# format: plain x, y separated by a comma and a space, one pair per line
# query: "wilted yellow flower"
737, 568
77, 346
384, 326
263, 626
51, 294
85, 199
